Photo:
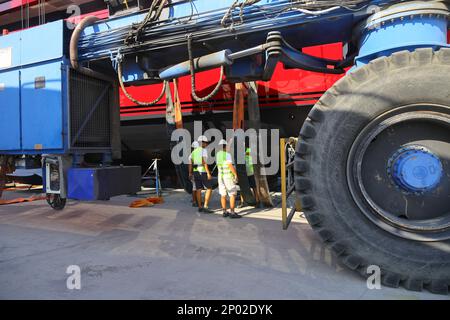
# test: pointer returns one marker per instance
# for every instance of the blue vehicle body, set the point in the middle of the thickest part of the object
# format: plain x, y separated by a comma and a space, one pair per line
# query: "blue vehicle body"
33, 98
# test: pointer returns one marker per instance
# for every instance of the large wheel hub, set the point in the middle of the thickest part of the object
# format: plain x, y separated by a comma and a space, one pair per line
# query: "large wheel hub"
398, 172
415, 169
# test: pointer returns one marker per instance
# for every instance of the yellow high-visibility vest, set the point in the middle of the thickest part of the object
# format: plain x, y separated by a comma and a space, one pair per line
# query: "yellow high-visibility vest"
197, 160
222, 165
249, 162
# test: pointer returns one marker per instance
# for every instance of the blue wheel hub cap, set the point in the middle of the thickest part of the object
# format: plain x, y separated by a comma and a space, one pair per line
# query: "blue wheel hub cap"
415, 169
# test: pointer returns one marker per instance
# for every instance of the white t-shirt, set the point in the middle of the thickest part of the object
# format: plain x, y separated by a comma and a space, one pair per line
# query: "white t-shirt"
228, 159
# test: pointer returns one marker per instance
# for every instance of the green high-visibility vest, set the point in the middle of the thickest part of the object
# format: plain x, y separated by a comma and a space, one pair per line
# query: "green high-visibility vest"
222, 165
249, 162
197, 160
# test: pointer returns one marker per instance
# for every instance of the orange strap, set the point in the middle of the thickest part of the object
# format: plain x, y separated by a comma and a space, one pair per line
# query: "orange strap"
20, 200
238, 108
148, 202
19, 188
177, 106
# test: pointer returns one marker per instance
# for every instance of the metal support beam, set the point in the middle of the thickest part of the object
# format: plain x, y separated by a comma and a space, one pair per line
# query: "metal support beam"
287, 181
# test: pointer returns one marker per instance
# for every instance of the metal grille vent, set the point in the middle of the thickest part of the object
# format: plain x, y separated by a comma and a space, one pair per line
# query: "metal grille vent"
90, 112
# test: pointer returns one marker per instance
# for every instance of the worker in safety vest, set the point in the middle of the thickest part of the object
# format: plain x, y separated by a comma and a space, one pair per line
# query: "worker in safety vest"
194, 146
227, 180
251, 176
198, 169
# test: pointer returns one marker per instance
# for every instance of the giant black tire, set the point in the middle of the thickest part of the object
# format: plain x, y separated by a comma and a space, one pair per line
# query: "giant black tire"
321, 167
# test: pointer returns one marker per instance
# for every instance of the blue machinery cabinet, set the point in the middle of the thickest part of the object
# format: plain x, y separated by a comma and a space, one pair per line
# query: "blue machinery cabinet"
102, 183
47, 108
32, 117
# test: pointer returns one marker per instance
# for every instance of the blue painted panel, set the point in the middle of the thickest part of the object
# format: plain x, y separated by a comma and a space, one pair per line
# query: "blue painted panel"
10, 45
81, 184
132, 72
410, 34
176, 11
102, 183
9, 110
42, 43
42, 108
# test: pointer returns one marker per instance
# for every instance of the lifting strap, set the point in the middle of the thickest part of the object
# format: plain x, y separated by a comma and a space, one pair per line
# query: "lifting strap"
148, 202
20, 200
177, 106
238, 108
170, 107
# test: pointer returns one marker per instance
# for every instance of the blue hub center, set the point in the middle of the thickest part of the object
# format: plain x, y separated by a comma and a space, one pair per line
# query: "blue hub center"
416, 170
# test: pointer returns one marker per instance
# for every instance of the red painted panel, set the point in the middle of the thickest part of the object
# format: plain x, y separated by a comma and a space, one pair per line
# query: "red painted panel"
13, 4
286, 88
101, 14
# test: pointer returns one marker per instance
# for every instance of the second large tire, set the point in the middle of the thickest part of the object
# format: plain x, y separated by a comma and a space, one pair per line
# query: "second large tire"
322, 182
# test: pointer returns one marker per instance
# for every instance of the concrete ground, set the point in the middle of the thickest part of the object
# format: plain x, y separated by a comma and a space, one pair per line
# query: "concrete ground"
168, 251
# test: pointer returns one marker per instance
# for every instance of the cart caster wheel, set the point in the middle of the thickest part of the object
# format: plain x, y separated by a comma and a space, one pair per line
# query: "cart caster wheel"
56, 202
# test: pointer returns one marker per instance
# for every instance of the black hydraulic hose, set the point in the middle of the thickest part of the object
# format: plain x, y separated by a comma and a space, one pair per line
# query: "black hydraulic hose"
85, 22
128, 95
192, 72
153, 15
73, 51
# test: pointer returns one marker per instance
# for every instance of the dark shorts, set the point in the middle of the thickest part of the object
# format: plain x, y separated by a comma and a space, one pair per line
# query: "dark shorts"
252, 182
201, 181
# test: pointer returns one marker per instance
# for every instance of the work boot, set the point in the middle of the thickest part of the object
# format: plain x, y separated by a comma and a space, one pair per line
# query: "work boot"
225, 214
207, 210
194, 204
200, 209
234, 215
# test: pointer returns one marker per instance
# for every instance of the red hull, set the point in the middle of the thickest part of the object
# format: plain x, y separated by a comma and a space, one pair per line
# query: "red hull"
286, 88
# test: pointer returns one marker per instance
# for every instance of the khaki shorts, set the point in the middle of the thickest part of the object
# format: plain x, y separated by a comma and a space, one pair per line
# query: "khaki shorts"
227, 186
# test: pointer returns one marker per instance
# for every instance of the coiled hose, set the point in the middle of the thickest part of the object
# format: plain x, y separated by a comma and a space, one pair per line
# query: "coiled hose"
193, 89
127, 94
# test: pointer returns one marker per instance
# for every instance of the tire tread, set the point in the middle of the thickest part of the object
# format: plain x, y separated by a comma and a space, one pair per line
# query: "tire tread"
305, 187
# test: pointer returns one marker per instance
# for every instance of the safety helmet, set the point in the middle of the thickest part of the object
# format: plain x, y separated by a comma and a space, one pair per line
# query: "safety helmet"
222, 142
202, 139
195, 144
